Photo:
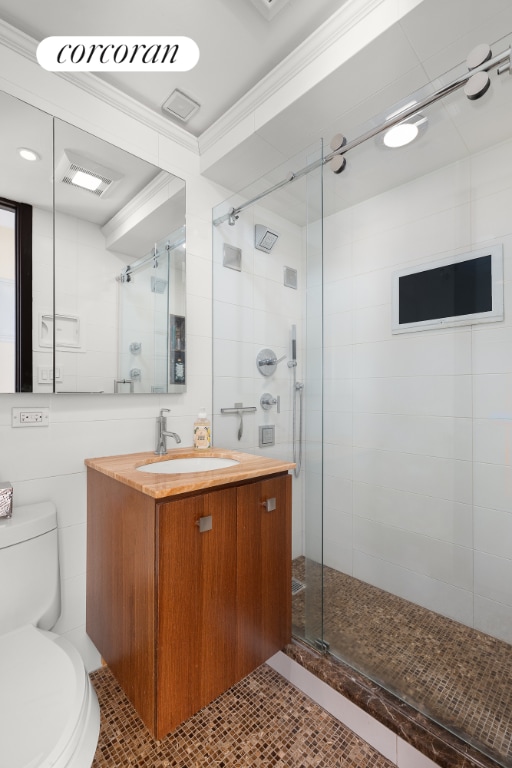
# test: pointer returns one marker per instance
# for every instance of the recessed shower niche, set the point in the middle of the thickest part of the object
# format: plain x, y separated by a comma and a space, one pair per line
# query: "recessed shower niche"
63, 330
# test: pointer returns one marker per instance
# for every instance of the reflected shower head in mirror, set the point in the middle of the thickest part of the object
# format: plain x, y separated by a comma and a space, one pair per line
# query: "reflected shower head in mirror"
264, 238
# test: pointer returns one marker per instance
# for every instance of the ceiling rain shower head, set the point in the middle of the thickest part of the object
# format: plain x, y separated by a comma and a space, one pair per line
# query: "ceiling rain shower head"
264, 238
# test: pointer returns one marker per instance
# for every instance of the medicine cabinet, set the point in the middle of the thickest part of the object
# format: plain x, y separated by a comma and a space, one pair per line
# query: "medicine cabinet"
92, 262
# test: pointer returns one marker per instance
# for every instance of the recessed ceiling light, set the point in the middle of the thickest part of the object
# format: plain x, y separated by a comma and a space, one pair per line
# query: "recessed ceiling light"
400, 135
28, 154
82, 172
403, 133
86, 180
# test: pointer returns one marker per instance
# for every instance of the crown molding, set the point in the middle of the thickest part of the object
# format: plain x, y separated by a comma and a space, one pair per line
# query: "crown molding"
328, 34
26, 46
17, 41
163, 187
131, 107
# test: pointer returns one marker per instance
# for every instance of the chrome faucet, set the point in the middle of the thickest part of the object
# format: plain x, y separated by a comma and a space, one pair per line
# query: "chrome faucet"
162, 433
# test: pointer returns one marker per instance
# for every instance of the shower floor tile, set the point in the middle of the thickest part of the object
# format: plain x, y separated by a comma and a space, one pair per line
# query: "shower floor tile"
262, 721
459, 677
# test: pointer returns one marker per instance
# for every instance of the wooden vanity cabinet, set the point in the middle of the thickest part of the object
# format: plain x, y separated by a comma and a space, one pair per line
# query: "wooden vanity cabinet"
187, 595
263, 571
196, 604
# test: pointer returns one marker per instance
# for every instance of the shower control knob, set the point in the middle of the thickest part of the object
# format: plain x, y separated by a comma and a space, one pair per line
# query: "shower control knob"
267, 401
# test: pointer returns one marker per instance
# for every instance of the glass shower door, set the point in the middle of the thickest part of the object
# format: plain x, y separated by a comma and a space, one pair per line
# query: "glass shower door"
273, 301
417, 492
307, 604
144, 323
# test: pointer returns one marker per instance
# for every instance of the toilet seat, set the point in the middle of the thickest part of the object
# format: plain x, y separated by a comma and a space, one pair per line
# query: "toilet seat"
48, 709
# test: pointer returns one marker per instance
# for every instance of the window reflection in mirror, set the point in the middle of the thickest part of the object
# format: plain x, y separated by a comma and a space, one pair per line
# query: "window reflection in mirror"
26, 171
7, 299
15, 296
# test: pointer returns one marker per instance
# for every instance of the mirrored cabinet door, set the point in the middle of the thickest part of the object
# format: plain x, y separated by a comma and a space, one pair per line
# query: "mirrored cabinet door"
92, 262
119, 267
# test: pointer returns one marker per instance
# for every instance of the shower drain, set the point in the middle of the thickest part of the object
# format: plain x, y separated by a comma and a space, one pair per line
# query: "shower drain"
297, 586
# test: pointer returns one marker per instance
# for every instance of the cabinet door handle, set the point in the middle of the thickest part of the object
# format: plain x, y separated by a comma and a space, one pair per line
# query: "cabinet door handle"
204, 523
269, 504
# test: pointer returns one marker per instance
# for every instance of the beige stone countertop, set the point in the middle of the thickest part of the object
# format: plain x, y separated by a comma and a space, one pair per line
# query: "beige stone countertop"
124, 469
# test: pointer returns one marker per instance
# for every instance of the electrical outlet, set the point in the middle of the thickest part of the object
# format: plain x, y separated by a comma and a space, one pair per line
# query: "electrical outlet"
30, 417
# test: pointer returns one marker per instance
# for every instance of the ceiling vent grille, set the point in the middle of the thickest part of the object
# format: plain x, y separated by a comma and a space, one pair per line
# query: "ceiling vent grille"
269, 8
180, 106
85, 174
99, 190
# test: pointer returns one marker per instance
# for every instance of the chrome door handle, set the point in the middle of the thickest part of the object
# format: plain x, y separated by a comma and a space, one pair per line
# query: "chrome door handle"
269, 504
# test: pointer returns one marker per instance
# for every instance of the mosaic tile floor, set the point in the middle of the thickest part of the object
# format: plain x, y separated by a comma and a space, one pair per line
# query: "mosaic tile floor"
261, 721
457, 676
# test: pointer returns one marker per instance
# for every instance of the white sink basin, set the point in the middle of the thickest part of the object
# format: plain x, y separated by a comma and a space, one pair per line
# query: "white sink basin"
192, 464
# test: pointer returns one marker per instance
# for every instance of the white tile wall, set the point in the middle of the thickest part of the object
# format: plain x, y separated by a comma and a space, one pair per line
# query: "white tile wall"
493, 576
442, 519
86, 289
253, 310
424, 555
493, 531
431, 593
443, 436
493, 618
415, 395
425, 475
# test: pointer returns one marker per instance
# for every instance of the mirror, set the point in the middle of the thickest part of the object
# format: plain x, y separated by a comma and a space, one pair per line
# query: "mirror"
109, 234
26, 250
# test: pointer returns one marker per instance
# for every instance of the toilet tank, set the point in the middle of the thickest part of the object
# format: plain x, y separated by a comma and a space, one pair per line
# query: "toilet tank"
29, 567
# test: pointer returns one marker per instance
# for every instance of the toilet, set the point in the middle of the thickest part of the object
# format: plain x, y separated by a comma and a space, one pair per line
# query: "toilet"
49, 712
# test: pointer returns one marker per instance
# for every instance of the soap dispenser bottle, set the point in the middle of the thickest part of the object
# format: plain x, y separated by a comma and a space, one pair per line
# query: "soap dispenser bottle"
202, 430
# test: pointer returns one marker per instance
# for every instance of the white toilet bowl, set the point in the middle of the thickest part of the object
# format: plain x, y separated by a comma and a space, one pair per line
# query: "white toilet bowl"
49, 712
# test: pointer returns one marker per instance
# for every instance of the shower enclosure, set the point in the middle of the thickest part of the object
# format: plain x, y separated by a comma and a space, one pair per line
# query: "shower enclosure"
151, 347
402, 517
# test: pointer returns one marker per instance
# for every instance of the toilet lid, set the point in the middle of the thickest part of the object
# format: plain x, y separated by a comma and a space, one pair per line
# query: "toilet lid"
42, 691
